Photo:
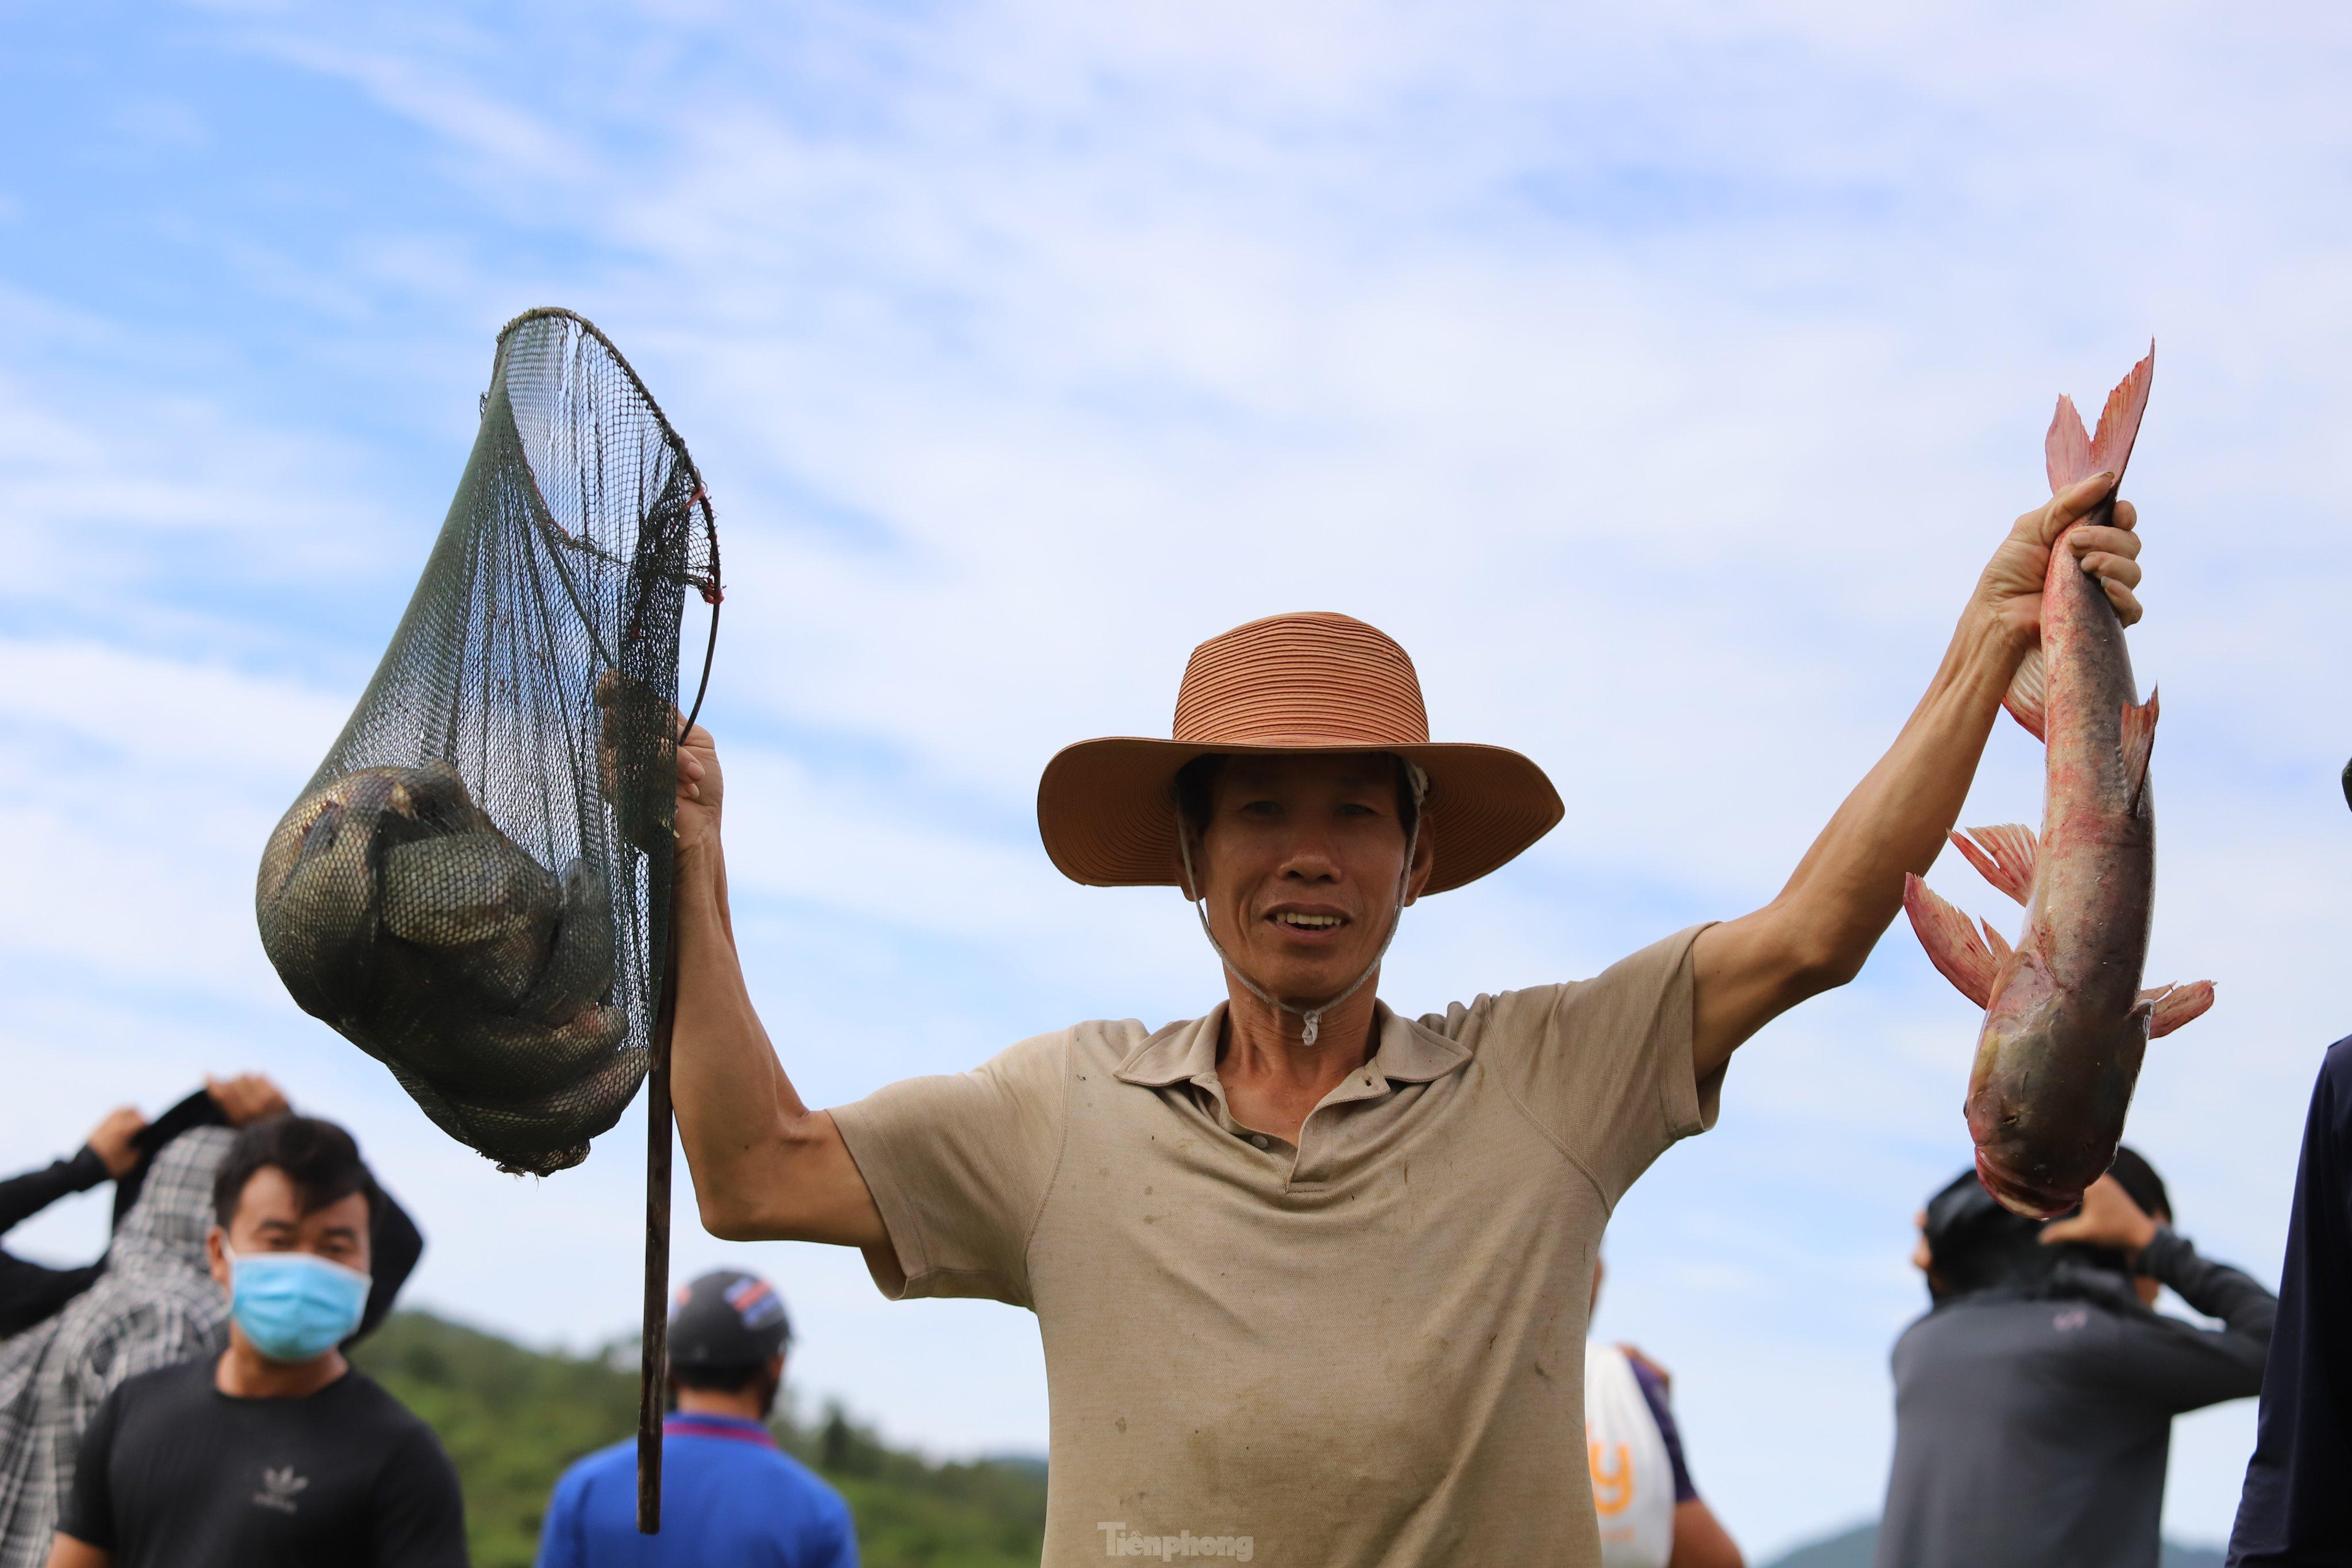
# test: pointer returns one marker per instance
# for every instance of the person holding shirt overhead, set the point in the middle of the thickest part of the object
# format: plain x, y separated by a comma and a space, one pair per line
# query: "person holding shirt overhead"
2033, 1402
119, 1149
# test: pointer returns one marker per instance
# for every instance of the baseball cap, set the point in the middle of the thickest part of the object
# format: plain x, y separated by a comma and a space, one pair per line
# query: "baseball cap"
727, 1317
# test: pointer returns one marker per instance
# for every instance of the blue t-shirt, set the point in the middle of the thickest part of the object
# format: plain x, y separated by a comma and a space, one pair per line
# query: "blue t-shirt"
729, 1495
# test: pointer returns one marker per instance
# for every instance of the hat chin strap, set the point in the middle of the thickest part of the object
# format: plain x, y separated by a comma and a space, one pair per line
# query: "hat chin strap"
1311, 1019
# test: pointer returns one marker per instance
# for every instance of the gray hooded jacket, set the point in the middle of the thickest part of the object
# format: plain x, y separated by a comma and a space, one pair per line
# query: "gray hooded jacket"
156, 1305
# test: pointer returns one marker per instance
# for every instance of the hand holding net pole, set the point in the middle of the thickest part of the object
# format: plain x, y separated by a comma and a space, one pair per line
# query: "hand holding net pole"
475, 887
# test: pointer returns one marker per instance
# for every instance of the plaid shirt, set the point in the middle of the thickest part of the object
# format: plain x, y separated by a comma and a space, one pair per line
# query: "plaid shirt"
156, 1304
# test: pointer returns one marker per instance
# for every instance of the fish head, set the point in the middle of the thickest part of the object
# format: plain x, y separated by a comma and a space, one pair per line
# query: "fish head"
2022, 1194
435, 796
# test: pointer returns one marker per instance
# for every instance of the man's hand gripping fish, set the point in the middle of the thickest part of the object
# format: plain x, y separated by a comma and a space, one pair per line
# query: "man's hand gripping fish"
2065, 1019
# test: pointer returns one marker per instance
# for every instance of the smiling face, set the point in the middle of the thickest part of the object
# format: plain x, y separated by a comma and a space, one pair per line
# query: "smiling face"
1300, 861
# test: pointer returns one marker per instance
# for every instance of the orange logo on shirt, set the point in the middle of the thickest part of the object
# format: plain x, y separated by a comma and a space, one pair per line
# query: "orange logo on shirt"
1612, 1474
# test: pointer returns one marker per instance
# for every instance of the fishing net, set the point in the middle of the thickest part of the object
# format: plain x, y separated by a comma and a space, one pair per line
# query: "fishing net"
475, 887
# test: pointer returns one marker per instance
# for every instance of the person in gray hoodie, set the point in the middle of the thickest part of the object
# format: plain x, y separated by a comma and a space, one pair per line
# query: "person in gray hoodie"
2033, 1402
156, 1305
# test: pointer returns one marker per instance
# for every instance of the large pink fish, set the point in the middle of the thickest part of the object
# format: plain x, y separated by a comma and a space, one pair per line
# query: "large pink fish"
2066, 1021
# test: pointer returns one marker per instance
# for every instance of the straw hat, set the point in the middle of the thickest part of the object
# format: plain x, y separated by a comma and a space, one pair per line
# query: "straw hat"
1307, 682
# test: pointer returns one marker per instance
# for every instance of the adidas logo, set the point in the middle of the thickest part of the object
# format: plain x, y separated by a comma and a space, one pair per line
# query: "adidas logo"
279, 1489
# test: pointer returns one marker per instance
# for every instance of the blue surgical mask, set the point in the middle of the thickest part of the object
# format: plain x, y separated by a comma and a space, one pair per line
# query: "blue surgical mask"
295, 1306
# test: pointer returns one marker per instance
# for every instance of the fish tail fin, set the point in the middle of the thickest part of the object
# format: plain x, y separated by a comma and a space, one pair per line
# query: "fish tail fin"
2005, 857
2067, 450
2173, 1005
2029, 694
2070, 455
1952, 944
2139, 741
2111, 446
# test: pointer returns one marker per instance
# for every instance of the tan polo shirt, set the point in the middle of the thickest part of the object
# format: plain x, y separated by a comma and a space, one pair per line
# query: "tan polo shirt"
1368, 1349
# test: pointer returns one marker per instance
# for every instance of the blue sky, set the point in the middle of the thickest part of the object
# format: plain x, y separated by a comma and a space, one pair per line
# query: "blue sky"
1660, 378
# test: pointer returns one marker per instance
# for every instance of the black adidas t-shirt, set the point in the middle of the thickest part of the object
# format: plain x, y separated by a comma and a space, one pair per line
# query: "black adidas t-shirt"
176, 1474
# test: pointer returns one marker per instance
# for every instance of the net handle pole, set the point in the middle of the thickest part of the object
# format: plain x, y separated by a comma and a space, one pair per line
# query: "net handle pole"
653, 1371
654, 1366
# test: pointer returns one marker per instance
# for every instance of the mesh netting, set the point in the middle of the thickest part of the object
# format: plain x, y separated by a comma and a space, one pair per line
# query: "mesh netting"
475, 887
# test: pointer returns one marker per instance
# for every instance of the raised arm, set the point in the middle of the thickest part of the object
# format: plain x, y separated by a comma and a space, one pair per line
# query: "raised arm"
22, 1197
1816, 933
765, 1166
2159, 1360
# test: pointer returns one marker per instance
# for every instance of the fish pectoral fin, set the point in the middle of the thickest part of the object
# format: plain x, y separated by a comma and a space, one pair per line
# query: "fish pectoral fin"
2027, 696
1952, 943
1996, 943
2174, 1005
2004, 855
2139, 741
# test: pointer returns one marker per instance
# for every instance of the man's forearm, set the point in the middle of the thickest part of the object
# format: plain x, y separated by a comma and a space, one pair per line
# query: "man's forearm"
763, 1166
21, 1197
730, 1091
2216, 1290
1850, 882
1822, 926
2168, 1363
1816, 933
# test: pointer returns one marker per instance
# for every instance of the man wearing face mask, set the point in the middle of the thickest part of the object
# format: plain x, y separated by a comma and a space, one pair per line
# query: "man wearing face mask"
730, 1494
278, 1451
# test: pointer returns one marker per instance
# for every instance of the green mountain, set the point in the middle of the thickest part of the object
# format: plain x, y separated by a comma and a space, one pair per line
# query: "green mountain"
513, 1419
1852, 1549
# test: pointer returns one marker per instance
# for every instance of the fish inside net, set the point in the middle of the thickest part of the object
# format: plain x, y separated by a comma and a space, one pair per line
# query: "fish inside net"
475, 887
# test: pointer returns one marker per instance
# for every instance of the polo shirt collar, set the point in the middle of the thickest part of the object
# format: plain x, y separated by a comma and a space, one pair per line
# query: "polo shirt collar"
1187, 1052
702, 1424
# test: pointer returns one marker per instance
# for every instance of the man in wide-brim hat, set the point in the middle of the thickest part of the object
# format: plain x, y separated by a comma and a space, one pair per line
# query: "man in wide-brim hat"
1312, 1277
